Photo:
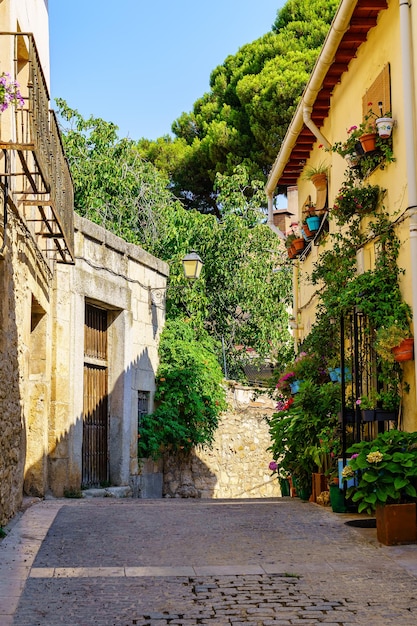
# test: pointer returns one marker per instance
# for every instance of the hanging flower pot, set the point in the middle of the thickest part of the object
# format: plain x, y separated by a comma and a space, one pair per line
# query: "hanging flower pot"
368, 142
384, 126
405, 351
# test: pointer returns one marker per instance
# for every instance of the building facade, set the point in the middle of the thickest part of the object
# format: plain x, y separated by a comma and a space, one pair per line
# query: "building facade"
367, 68
79, 329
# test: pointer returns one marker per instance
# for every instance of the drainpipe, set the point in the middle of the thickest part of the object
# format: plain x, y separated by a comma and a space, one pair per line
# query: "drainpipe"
302, 115
410, 142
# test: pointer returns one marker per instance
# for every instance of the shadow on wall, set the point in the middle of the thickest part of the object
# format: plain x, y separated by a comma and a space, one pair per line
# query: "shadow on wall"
99, 447
12, 423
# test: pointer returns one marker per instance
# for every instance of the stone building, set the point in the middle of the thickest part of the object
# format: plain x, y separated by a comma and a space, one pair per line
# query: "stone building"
78, 328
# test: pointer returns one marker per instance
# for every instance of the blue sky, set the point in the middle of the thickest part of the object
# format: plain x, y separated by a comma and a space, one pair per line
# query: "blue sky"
141, 64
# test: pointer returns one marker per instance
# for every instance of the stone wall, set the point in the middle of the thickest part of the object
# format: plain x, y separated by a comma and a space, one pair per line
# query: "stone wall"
237, 464
24, 388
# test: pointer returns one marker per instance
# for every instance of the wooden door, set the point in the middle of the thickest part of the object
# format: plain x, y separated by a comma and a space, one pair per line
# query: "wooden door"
95, 412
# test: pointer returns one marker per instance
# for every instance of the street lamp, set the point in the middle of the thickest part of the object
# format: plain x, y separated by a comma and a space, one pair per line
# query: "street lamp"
192, 265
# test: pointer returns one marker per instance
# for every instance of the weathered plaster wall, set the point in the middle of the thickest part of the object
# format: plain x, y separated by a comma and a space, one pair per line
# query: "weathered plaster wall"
25, 367
237, 464
113, 275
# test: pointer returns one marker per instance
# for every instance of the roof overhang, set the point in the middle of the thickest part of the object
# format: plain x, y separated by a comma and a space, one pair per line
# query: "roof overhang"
349, 29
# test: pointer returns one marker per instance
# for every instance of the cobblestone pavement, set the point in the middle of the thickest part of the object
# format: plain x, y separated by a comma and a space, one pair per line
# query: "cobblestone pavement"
267, 562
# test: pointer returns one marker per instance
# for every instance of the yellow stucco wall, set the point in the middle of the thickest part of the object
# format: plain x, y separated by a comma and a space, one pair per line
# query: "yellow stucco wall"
383, 46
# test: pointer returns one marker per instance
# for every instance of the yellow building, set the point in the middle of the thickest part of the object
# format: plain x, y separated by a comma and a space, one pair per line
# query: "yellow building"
367, 68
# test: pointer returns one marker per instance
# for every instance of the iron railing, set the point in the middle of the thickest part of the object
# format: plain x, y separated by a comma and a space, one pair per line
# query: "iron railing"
42, 180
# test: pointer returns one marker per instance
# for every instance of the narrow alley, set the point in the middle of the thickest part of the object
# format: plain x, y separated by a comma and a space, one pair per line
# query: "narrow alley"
127, 562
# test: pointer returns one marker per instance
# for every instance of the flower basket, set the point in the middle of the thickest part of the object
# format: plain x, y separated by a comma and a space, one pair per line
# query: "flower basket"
405, 351
384, 126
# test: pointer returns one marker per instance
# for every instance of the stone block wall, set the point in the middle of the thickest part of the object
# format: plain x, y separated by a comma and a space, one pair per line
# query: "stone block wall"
237, 464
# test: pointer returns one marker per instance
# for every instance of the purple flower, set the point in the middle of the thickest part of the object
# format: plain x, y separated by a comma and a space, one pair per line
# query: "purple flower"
273, 466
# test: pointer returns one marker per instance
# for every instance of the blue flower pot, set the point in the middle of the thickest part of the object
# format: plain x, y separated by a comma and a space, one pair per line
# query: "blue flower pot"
295, 386
313, 222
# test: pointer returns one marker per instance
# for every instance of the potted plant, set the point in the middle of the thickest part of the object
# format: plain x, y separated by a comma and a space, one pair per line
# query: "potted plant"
386, 473
317, 174
367, 404
355, 198
384, 123
394, 342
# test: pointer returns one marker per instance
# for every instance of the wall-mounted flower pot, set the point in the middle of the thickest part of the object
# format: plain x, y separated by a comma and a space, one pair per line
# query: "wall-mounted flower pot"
307, 234
368, 142
384, 126
405, 351
299, 244
313, 222
386, 415
368, 415
396, 524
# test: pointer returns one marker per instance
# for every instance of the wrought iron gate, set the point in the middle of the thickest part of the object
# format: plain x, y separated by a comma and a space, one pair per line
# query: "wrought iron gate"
95, 411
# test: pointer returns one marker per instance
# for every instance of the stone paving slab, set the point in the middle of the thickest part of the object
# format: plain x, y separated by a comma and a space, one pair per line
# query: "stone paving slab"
188, 562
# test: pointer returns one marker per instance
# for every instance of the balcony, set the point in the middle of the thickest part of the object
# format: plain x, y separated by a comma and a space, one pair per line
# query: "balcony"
32, 157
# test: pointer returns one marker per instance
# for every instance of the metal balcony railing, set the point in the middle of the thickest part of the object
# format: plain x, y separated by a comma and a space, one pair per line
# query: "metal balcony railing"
41, 179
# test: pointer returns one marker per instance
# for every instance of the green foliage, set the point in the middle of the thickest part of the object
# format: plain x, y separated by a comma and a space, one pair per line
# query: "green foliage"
244, 117
385, 469
354, 198
190, 396
239, 297
113, 185
305, 430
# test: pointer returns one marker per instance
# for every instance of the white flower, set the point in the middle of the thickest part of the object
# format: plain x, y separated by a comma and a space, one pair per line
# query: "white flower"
374, 457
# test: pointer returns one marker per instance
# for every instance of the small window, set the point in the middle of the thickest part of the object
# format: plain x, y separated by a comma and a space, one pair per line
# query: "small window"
143, 406
378, 92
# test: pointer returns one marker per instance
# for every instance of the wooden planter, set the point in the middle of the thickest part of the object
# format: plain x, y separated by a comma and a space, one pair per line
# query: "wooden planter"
318, 485
396, 524
405, 351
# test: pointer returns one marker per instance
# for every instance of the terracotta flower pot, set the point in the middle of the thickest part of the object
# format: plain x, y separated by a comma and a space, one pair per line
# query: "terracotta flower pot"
368, 142
405, 351
299, 244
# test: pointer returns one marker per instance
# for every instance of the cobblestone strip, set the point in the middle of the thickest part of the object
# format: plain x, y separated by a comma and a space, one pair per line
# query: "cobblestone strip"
252, 600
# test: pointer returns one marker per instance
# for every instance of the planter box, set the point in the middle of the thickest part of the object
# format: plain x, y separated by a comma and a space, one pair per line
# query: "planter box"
383, 415
368, 415
396, 524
